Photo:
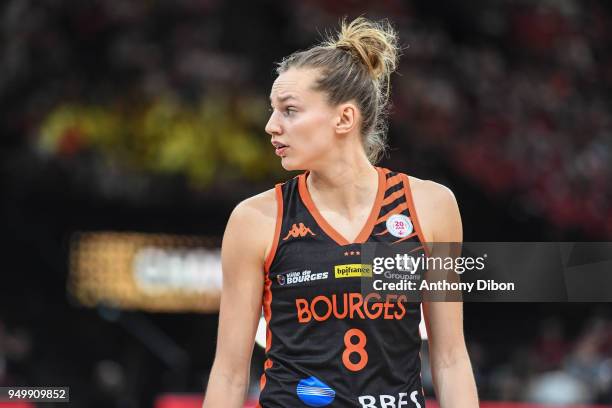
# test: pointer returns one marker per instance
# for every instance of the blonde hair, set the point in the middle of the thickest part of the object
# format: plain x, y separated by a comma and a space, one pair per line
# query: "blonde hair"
356, 64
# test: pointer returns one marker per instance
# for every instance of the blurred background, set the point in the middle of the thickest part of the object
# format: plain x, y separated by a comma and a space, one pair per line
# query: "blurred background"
130, 129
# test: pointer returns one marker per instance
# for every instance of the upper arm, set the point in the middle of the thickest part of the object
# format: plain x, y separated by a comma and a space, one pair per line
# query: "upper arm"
247, 236
448, 227
437, 210
444, 320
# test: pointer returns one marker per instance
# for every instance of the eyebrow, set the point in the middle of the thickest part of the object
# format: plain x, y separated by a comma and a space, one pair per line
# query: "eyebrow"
284, 98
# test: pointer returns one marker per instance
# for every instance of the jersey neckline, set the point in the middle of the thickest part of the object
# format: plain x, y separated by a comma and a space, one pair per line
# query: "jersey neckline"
366, 230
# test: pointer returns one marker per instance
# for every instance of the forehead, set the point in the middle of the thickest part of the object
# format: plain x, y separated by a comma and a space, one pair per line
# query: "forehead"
296, 83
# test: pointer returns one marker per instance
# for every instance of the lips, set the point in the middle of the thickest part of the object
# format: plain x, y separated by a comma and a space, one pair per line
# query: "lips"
280, 151
280, 148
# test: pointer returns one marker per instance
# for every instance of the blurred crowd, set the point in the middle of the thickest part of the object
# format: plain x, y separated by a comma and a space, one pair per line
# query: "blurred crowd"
573, 372
550, 365
15, 355
515, 94
129, 96
558, 363
521, 106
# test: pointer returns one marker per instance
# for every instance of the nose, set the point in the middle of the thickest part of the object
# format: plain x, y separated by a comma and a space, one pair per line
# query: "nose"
273, 127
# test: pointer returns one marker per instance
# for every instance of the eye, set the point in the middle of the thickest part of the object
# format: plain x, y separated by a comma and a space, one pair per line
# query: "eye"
289, 110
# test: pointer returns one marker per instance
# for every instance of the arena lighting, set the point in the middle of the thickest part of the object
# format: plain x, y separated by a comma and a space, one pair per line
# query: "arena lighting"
150, 272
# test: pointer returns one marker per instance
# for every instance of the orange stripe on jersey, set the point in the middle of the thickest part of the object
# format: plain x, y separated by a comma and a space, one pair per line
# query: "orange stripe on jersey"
305, 195
267, 301
414, 218
392, 197
366, 230
262, 379
394, 181
386, 231
396, 210
279, 222
267, 295
416, 249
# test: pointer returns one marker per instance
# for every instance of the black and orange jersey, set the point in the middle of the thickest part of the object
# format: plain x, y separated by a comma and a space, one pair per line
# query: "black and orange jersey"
326, 344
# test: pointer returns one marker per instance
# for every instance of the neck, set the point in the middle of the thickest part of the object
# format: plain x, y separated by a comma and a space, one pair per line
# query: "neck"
346, 184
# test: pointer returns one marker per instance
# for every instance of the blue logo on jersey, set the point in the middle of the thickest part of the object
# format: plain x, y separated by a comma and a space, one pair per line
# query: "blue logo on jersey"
314, 392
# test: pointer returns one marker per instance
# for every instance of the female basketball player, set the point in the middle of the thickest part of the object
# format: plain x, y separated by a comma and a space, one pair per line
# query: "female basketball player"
299, 245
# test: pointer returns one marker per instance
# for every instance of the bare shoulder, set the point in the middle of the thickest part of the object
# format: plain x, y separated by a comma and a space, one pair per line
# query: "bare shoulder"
252, 223
431, 192
259, 207
436, 207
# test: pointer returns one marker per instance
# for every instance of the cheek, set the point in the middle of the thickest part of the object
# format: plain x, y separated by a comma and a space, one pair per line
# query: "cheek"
312, 131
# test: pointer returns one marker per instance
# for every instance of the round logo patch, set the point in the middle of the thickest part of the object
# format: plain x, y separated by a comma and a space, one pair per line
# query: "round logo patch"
399, 225
314, 392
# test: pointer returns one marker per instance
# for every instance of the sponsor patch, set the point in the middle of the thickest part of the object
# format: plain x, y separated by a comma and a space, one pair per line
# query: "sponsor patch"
314, 392
291, 278
353, 271
399, 225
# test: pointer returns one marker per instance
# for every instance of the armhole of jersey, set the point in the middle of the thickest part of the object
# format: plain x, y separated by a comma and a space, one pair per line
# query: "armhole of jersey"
279, 223
413, 213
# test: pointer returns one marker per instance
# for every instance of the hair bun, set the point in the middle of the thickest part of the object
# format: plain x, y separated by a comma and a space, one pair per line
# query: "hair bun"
374, 43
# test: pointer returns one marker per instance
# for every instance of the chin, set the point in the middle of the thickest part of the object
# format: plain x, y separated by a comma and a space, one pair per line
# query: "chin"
290, 164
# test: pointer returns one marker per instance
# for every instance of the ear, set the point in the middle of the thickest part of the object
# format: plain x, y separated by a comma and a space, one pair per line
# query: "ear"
347, 117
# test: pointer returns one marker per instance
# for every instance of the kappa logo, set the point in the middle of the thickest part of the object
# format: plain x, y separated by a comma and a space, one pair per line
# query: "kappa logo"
299, 230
